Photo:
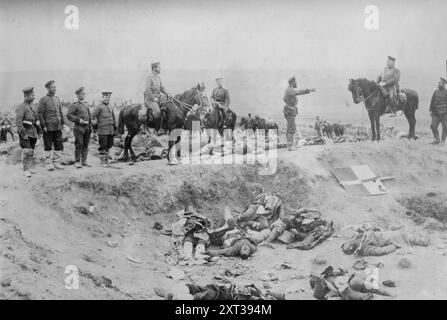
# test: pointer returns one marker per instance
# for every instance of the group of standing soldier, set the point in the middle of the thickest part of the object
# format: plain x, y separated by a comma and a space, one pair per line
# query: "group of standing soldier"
47, 120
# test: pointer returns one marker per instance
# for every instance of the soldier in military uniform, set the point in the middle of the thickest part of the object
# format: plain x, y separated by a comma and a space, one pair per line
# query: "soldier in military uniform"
291, 110
79, 113
104, 120
388, 81
28, 127
438, 112
52, 122
220, 94
155, 96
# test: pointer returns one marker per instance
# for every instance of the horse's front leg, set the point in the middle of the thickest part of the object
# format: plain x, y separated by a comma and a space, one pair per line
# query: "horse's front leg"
179, 150
377, 117
132, 135
126, 147
373, 127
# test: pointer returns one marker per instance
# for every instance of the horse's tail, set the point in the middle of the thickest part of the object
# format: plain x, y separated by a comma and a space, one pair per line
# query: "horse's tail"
121, 122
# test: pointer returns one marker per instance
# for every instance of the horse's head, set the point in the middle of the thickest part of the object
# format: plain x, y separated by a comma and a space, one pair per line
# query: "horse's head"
356, 91
200, 97
361, 89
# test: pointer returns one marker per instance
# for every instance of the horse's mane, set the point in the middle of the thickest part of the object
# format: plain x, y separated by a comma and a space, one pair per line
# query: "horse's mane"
366, 84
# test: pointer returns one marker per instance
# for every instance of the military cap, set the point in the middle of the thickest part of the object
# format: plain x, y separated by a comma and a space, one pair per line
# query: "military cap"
292, 79
106, 93
79, 90
49, 83
391, 58
154, 64
443, 80
28, 90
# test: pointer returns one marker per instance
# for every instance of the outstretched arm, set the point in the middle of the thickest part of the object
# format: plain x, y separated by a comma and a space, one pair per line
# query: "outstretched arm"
303, 92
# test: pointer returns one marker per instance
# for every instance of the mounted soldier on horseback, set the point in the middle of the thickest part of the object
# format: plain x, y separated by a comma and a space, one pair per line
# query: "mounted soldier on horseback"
384, 96
388, 82
155, 98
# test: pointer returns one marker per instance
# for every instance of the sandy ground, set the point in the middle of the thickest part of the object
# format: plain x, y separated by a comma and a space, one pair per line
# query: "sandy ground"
120, 255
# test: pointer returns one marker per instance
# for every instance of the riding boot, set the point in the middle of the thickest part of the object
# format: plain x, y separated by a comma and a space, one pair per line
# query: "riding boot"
78, 159
55, 160
107, 158
49, 160
103, 159
84, 158
436, 134
26, 162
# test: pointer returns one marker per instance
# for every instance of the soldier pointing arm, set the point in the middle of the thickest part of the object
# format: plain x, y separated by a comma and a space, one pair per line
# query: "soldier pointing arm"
291, 110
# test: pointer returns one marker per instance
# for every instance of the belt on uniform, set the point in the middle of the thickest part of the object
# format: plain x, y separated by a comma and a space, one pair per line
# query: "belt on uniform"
28, 122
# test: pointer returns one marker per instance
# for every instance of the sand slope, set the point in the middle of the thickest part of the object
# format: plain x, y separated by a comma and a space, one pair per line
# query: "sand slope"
42, 229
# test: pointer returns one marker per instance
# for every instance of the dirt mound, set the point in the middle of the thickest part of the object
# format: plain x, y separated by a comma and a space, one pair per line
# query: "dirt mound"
430, 205
101, 220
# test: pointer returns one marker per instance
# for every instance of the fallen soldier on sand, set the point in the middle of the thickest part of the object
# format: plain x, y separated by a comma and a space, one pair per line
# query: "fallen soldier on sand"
376, 243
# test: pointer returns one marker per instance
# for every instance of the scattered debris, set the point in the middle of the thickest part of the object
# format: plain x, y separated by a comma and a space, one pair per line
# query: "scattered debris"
268, 276
176, 274
112, 244
134, 259
319, 260
157, 226
404, 263
389, 283
83, 210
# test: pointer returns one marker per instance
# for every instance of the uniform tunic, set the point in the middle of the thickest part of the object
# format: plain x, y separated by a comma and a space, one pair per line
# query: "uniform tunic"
438, 108
105, 119
390, 76
27, 120
438, 103
27, 124
290, 109
154, 87
77, 111
50, 113
221, 95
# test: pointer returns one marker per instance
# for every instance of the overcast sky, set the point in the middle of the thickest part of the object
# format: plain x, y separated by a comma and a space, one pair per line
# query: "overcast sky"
219, 35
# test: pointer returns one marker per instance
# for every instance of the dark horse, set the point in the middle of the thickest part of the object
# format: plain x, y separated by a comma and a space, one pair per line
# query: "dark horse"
214, 120
369, 92
176, 110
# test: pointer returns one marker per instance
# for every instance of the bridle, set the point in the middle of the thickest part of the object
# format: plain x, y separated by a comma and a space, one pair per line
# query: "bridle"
360, 95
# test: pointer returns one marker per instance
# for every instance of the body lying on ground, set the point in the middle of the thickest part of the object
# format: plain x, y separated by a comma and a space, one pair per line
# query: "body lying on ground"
375, 243
189, 231
338, 283
268, 222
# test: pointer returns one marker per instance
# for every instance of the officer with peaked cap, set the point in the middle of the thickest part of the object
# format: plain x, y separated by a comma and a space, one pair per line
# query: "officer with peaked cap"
291, 110
388, 81
52, 122
221, 94
28, 127
79, 113
438, 112
104, 118
155, 97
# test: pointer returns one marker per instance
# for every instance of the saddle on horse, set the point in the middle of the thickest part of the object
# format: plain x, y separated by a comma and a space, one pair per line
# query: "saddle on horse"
394, 98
